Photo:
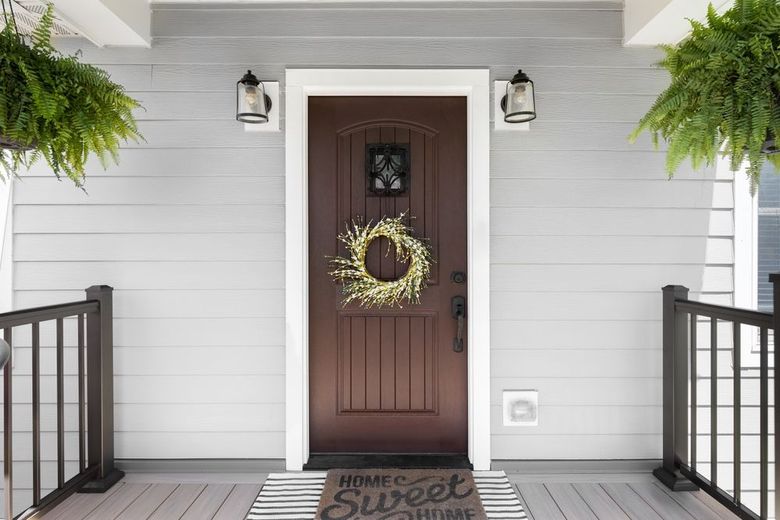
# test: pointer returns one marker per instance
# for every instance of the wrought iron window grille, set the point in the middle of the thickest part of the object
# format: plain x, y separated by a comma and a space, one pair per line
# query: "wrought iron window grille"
387, 169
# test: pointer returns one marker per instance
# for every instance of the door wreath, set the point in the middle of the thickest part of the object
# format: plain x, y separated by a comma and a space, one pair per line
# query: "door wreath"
360, 285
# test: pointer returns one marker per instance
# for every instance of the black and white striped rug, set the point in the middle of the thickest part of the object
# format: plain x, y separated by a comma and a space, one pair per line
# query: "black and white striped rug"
295, 496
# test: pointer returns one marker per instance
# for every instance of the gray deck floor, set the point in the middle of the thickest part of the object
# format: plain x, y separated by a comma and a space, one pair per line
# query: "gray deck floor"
546, 497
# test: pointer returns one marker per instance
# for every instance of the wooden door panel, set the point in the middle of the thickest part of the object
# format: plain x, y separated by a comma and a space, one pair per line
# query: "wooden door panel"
387, 379
401, 378
421, 199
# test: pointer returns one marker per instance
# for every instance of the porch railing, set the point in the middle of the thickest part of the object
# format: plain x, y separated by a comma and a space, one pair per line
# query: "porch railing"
680, 470
94, 344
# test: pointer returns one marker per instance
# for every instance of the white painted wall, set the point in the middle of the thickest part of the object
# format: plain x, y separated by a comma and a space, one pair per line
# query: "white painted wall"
189, 228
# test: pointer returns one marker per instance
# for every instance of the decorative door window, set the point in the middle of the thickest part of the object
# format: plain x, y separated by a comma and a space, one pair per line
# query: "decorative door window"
387, 169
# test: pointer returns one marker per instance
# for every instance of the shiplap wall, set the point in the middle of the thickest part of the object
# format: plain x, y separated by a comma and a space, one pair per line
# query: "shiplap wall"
189, 227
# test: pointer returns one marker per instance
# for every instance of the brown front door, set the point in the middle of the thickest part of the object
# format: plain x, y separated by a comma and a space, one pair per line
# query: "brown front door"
387, 380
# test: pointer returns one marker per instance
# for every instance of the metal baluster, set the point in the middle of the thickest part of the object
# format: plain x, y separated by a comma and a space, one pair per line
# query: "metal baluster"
60, 407
694, 382
82, 421
8, 425
764, 430
714, 400
737, 411
36, 411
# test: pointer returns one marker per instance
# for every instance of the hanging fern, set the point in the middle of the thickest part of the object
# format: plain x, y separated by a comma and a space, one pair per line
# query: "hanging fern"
57, 108
724, 95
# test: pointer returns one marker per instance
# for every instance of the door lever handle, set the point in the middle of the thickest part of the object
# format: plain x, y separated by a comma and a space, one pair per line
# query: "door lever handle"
459, 314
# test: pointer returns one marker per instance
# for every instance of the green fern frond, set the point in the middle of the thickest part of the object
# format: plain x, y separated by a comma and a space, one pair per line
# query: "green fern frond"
724, 96
66, 110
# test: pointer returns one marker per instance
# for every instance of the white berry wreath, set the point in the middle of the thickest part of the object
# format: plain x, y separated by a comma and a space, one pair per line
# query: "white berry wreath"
363, 287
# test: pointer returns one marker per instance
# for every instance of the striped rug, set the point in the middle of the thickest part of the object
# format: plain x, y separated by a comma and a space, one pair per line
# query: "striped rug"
295, 496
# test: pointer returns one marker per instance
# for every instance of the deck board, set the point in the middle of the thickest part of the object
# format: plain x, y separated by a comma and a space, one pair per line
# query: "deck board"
147, 503
570, 502
600, 502
81, 504
216, 496
113, 506
662, 503
696, 507
178, 502
208, 502
630, 502
238, 502
540, 502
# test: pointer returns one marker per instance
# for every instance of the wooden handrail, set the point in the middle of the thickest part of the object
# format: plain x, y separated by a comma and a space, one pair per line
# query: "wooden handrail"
95, 388
680, 377
47, 313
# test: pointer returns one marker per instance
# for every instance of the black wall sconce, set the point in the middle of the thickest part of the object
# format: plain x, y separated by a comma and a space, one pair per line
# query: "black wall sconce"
519, 102
252, 103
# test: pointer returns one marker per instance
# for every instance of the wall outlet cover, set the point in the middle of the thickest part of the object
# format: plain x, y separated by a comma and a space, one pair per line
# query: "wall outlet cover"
521, 408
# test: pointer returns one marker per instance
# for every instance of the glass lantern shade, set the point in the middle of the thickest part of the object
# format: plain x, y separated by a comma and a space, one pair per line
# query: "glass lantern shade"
519, 104
252, 104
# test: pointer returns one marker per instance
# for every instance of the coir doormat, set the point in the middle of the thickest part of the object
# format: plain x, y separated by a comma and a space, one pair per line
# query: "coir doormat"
400, 494
296, 496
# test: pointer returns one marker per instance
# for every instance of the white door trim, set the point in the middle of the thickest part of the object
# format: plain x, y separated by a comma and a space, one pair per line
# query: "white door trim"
474, 84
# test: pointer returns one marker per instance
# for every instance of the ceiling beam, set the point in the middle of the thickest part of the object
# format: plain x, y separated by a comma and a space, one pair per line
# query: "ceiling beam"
653, 22
109, 22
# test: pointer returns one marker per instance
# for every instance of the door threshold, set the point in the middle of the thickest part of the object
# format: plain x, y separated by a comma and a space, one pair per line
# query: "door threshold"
321, 461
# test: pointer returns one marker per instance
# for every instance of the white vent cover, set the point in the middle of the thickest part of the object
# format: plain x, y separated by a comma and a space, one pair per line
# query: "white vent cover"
521, 408
27, 14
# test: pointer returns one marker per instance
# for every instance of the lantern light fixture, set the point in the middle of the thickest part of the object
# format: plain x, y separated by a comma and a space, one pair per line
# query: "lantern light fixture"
519, 102
252, 103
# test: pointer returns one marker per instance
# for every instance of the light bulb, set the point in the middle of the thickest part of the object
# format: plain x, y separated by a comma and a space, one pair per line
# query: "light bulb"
251, 95
520, 96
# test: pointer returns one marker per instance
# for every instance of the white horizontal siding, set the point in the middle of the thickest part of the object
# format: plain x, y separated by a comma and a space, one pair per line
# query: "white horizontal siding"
585, 229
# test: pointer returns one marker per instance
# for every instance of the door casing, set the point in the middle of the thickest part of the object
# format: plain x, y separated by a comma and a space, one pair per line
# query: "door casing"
474, 85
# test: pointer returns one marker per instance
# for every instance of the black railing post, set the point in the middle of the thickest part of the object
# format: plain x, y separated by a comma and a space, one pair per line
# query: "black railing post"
775, 279
100, 391
675, 391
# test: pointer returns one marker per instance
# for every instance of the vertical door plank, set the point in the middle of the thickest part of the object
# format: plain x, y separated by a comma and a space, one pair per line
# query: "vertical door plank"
417, 363
417, 185
431, 368
373, 373
344, 175
373, 213
345, 362
358, 175
388, 362
402, 374
431, 203
358, 360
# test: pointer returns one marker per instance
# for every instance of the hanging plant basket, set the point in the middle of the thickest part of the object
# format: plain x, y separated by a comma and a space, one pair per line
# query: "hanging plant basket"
55, 108
724, 96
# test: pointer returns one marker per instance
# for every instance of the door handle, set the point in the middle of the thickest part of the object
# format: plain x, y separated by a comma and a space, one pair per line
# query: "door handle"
459, 314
